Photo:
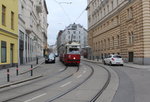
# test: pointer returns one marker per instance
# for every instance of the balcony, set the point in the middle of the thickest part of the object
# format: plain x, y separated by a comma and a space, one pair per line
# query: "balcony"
28, 30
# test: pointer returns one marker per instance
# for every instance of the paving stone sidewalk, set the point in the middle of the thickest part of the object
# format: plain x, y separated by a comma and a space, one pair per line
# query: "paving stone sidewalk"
21, 69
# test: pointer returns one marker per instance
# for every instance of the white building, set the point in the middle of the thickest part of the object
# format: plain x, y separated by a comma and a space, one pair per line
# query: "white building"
74, 32
32, 29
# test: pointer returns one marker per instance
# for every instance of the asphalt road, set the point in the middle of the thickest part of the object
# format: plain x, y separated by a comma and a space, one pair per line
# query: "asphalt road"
57, 80
134, 85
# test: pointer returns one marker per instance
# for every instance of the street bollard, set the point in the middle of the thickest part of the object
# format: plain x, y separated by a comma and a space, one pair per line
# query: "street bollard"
17, 70
8, 79
31, 70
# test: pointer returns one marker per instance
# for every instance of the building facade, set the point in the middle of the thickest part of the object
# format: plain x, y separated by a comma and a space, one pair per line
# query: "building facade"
8, 33
120, 26
74, 32
32, 29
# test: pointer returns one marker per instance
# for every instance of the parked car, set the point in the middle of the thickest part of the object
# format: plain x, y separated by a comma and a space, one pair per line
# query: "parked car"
50, 58
113, 59
56, 54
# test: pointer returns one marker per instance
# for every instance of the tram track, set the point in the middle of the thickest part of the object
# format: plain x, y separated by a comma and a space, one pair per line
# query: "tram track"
104, 87
70, 89
74, 87
99, 93
35, 90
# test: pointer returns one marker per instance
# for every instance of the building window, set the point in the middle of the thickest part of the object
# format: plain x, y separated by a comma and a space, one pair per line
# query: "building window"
117, 20
104, 12
21, 35
3, 52
112, 42
108, 8
130, 12
12, 20
3, 15
118, 40
108, 43
102, 45
112, 5
117, 2
74, 32
131, 37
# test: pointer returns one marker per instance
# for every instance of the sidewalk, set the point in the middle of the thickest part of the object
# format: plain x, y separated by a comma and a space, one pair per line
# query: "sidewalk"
132, 65
22, 69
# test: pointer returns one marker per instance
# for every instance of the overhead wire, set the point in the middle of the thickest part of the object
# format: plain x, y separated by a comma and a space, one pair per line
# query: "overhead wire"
80, 15
67, 14
63, 10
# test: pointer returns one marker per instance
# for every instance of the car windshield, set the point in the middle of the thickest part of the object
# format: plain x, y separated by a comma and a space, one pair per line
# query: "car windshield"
51, 55
74, 51
116, 56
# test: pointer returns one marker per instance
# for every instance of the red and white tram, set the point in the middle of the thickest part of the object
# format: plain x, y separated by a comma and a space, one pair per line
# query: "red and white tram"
70, 53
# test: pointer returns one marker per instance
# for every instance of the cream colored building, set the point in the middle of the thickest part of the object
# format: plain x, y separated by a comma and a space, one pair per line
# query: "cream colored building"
120, 26
32, 29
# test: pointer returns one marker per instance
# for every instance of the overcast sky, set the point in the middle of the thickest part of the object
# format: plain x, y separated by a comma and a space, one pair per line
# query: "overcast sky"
62, 13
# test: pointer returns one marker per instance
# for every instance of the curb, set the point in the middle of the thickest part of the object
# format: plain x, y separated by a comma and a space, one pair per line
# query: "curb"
32, 68
18, 82
92, 61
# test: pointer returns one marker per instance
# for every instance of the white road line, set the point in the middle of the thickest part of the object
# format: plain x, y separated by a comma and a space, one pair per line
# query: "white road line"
85, 68
84, 71
79, 76
35, 97
66, 84
61, 70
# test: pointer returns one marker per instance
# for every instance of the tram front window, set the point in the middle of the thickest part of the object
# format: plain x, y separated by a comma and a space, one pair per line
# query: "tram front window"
74, 51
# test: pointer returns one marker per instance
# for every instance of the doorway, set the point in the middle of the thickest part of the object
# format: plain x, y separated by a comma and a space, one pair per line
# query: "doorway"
131, 55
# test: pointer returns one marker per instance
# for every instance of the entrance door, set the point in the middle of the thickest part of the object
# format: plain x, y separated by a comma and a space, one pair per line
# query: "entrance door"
11, 54
131, 55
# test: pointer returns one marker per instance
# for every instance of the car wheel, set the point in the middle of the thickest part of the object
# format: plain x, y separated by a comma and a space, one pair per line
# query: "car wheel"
104, 62
121, 64
110, 64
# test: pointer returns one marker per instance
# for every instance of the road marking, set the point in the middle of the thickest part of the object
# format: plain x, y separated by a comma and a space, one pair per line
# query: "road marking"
61, 70
84, 71
66, 84
79, 76
85, 68
35, 97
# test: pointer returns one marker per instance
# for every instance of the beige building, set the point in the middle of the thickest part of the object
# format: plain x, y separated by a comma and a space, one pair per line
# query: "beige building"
120, 26
32, 29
